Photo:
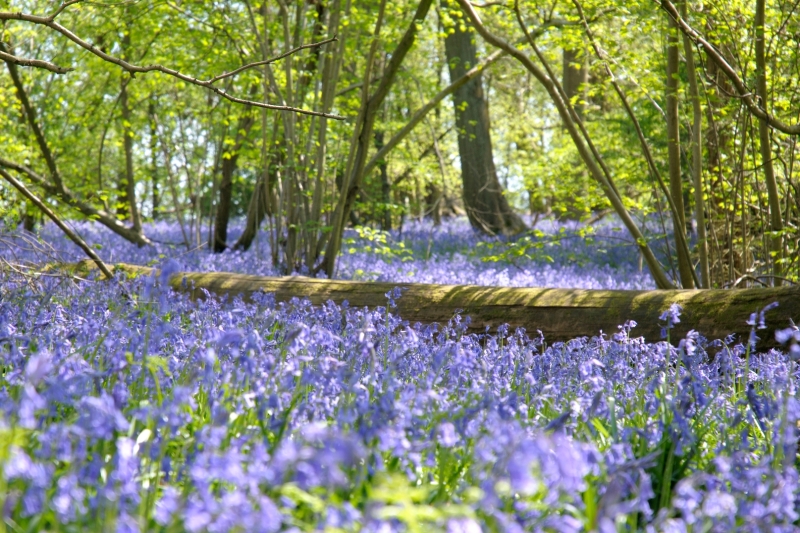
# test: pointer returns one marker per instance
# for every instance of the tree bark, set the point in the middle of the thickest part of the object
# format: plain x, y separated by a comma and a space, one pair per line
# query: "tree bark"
223, 214
129, 181
487, 209
225, 189
262, 203
697, 162
154, 182
386, 186
363, 134
574, 76
765, 143
674, 152
560, 314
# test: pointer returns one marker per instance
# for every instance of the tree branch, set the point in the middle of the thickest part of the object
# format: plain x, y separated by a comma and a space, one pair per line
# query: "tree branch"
271, 60
37, 63
421, 112
565, 112
71, 199
33, 122
136, 69
743, 92
74, 237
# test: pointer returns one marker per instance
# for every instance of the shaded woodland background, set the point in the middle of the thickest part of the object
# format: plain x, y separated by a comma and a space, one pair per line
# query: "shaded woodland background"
310, 116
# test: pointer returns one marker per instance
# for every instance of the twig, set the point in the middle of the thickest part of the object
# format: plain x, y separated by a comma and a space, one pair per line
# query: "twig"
271, 60
62, 7
780, 278
37, 63
71, 199
136, 69
746, 277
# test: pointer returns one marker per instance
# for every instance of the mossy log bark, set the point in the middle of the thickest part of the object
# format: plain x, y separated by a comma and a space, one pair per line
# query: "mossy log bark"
560, 314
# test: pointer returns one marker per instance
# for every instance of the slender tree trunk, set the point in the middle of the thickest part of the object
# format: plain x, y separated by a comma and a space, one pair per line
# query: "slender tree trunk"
574, 76
487, 208
362, 138
697, 161
433, 204
224, 203
674, 151
29, 218
225, 189
775, 219
262, 203
386, 187
122, 210
127, 132
154, 182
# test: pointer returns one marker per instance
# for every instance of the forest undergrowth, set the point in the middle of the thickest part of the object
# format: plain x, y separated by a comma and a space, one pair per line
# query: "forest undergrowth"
127, 407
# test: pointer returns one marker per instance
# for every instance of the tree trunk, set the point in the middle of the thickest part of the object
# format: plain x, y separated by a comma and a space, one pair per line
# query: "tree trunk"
697, 160
262, 203
674, 151
362, 138
487, 209
574, 76
223, 213
225, 188
154, 184
127, 132
560, 314
433, 204
29, 218
765, 143
386, 186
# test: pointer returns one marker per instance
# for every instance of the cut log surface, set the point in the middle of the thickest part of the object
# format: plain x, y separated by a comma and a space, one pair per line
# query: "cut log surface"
560, 314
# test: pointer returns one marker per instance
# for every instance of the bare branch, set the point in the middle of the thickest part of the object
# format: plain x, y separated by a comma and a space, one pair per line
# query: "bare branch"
136, 69
423, 111
33, 122
271, 60
754, 105
37, 63
62, 7
488, 4
71, 199
74, 237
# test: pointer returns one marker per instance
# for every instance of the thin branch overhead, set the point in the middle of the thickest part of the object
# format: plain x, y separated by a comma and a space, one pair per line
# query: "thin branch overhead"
36, 63
271, 60
49, 22
74, 237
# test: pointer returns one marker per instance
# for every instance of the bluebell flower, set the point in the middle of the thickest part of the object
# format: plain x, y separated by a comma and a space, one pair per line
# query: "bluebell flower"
39, 365
168, 269
671, 315
100, 418
167, 506
447, 435
68, 501
463, 525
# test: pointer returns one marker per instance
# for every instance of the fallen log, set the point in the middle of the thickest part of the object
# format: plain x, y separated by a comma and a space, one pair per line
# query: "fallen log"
560, 314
